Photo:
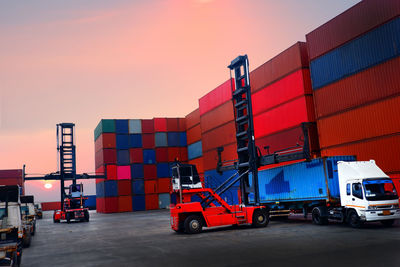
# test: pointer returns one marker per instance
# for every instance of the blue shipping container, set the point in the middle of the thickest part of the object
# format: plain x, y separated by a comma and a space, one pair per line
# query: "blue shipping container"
138, 187
135, 126
372, 48
90, 202
111, 188
100, 190
161, 139
173, 139
164, 200
135, 140
182, 139
137, 171
213, 179
303, 181
123, 157
138, 203
195, 150
163, 170
122, 141
149, 156
122, 126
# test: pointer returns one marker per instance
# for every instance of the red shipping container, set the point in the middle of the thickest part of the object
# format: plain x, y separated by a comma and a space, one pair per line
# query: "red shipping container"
111, 172
217, 117
199, 164
151, 202
106, 156
149, 171
56, 205
164, 185
148, 140
216, 97
183, 154
160, 124
124, 204
290, 60
150, 187
99, 205
181, 124
110, 204
100, 171
105, 140
220, 136
172, 125
283, 117
380, 118
136, 155
17, 173
173, 153
286, 89
161, 154
352, 23
124, 188
210, 158
193, 134
193, 118
364, 87
147, 126
384, 150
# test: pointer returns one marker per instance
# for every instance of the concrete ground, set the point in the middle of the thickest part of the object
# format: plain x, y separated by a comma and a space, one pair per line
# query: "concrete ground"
145, 239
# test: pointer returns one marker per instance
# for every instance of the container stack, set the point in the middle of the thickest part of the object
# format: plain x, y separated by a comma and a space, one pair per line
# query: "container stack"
355, 65
282, 100
12, 177
194, 141
135, 156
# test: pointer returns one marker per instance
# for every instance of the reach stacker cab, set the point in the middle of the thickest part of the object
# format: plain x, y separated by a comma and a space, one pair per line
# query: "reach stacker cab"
190, 217
73, 208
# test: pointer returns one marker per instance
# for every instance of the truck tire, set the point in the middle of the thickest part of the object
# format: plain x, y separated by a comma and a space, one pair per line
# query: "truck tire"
193, 224
27, 240
387, 223
14, 260
33, 229
318, 216
354, 220
19, 259
260, 218
86, 216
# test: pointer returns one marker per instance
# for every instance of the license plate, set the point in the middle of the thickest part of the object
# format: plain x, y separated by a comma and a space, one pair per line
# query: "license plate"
386, 212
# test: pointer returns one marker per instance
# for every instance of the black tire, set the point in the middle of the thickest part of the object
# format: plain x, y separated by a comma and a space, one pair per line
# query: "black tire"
87, 217
318, 217
33, 229
27, 240
19, 259
260, 218
354, 220
193, 224
15, 260
387, 223
68, 217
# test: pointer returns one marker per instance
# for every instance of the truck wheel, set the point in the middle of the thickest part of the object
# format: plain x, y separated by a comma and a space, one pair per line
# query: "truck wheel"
260, 218
193, 224
86, 216
27, 240
33, 229
387, 223
317, 217
353, 219
15, 260
19, 259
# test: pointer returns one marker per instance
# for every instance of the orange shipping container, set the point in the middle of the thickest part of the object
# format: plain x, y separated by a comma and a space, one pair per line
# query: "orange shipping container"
384, 150
192, 119
220, 136
193, 134
217, 117
380, 118
199, 164
210, 158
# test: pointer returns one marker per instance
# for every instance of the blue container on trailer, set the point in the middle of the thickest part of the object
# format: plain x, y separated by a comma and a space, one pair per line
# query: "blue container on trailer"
164, 200
123, 157
303, 181
138, 187
90, 202
195, 150
163, 170
110, 188
173, 139
368, 50
137, 171
122, 141
182, 139
122, 126
160, 139
213, 179
149, 156
138, 203
135, 141
100, 190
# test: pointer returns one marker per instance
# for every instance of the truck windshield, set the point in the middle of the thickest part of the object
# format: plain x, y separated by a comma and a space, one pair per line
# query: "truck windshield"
2, 213
380, 189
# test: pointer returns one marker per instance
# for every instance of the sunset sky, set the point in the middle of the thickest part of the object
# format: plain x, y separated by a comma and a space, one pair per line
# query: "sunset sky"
83, 60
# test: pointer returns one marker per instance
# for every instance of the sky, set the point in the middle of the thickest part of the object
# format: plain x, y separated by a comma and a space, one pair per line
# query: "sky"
83, 60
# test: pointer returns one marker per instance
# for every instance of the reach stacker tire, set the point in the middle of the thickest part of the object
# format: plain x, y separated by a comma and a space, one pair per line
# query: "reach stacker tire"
193, 224
86, 216
260, 218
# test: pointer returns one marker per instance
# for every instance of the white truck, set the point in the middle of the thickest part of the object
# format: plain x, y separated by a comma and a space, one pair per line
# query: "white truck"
11, 232
333, 188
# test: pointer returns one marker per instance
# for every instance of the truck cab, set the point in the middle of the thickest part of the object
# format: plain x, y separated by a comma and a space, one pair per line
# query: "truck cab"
28, 214
11, 230
367, 193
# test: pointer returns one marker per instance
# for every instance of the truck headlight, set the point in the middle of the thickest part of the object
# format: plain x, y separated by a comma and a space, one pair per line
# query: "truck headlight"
2, 254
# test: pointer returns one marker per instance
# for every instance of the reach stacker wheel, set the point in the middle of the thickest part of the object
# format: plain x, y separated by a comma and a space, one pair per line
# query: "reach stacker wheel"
193, 224
260, 218
86, 215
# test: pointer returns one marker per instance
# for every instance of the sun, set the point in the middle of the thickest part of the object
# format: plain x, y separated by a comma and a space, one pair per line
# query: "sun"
48, 185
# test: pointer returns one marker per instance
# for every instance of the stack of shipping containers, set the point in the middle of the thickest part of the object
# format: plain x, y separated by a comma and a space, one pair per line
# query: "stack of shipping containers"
355, 63
135, 155
195, 149
12, 177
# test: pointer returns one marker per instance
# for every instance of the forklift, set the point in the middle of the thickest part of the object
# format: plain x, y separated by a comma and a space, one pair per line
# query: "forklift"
191, 216
73, 202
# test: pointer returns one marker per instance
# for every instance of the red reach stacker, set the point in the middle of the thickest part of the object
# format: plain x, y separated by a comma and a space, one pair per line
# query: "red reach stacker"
189, 216
73, 208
